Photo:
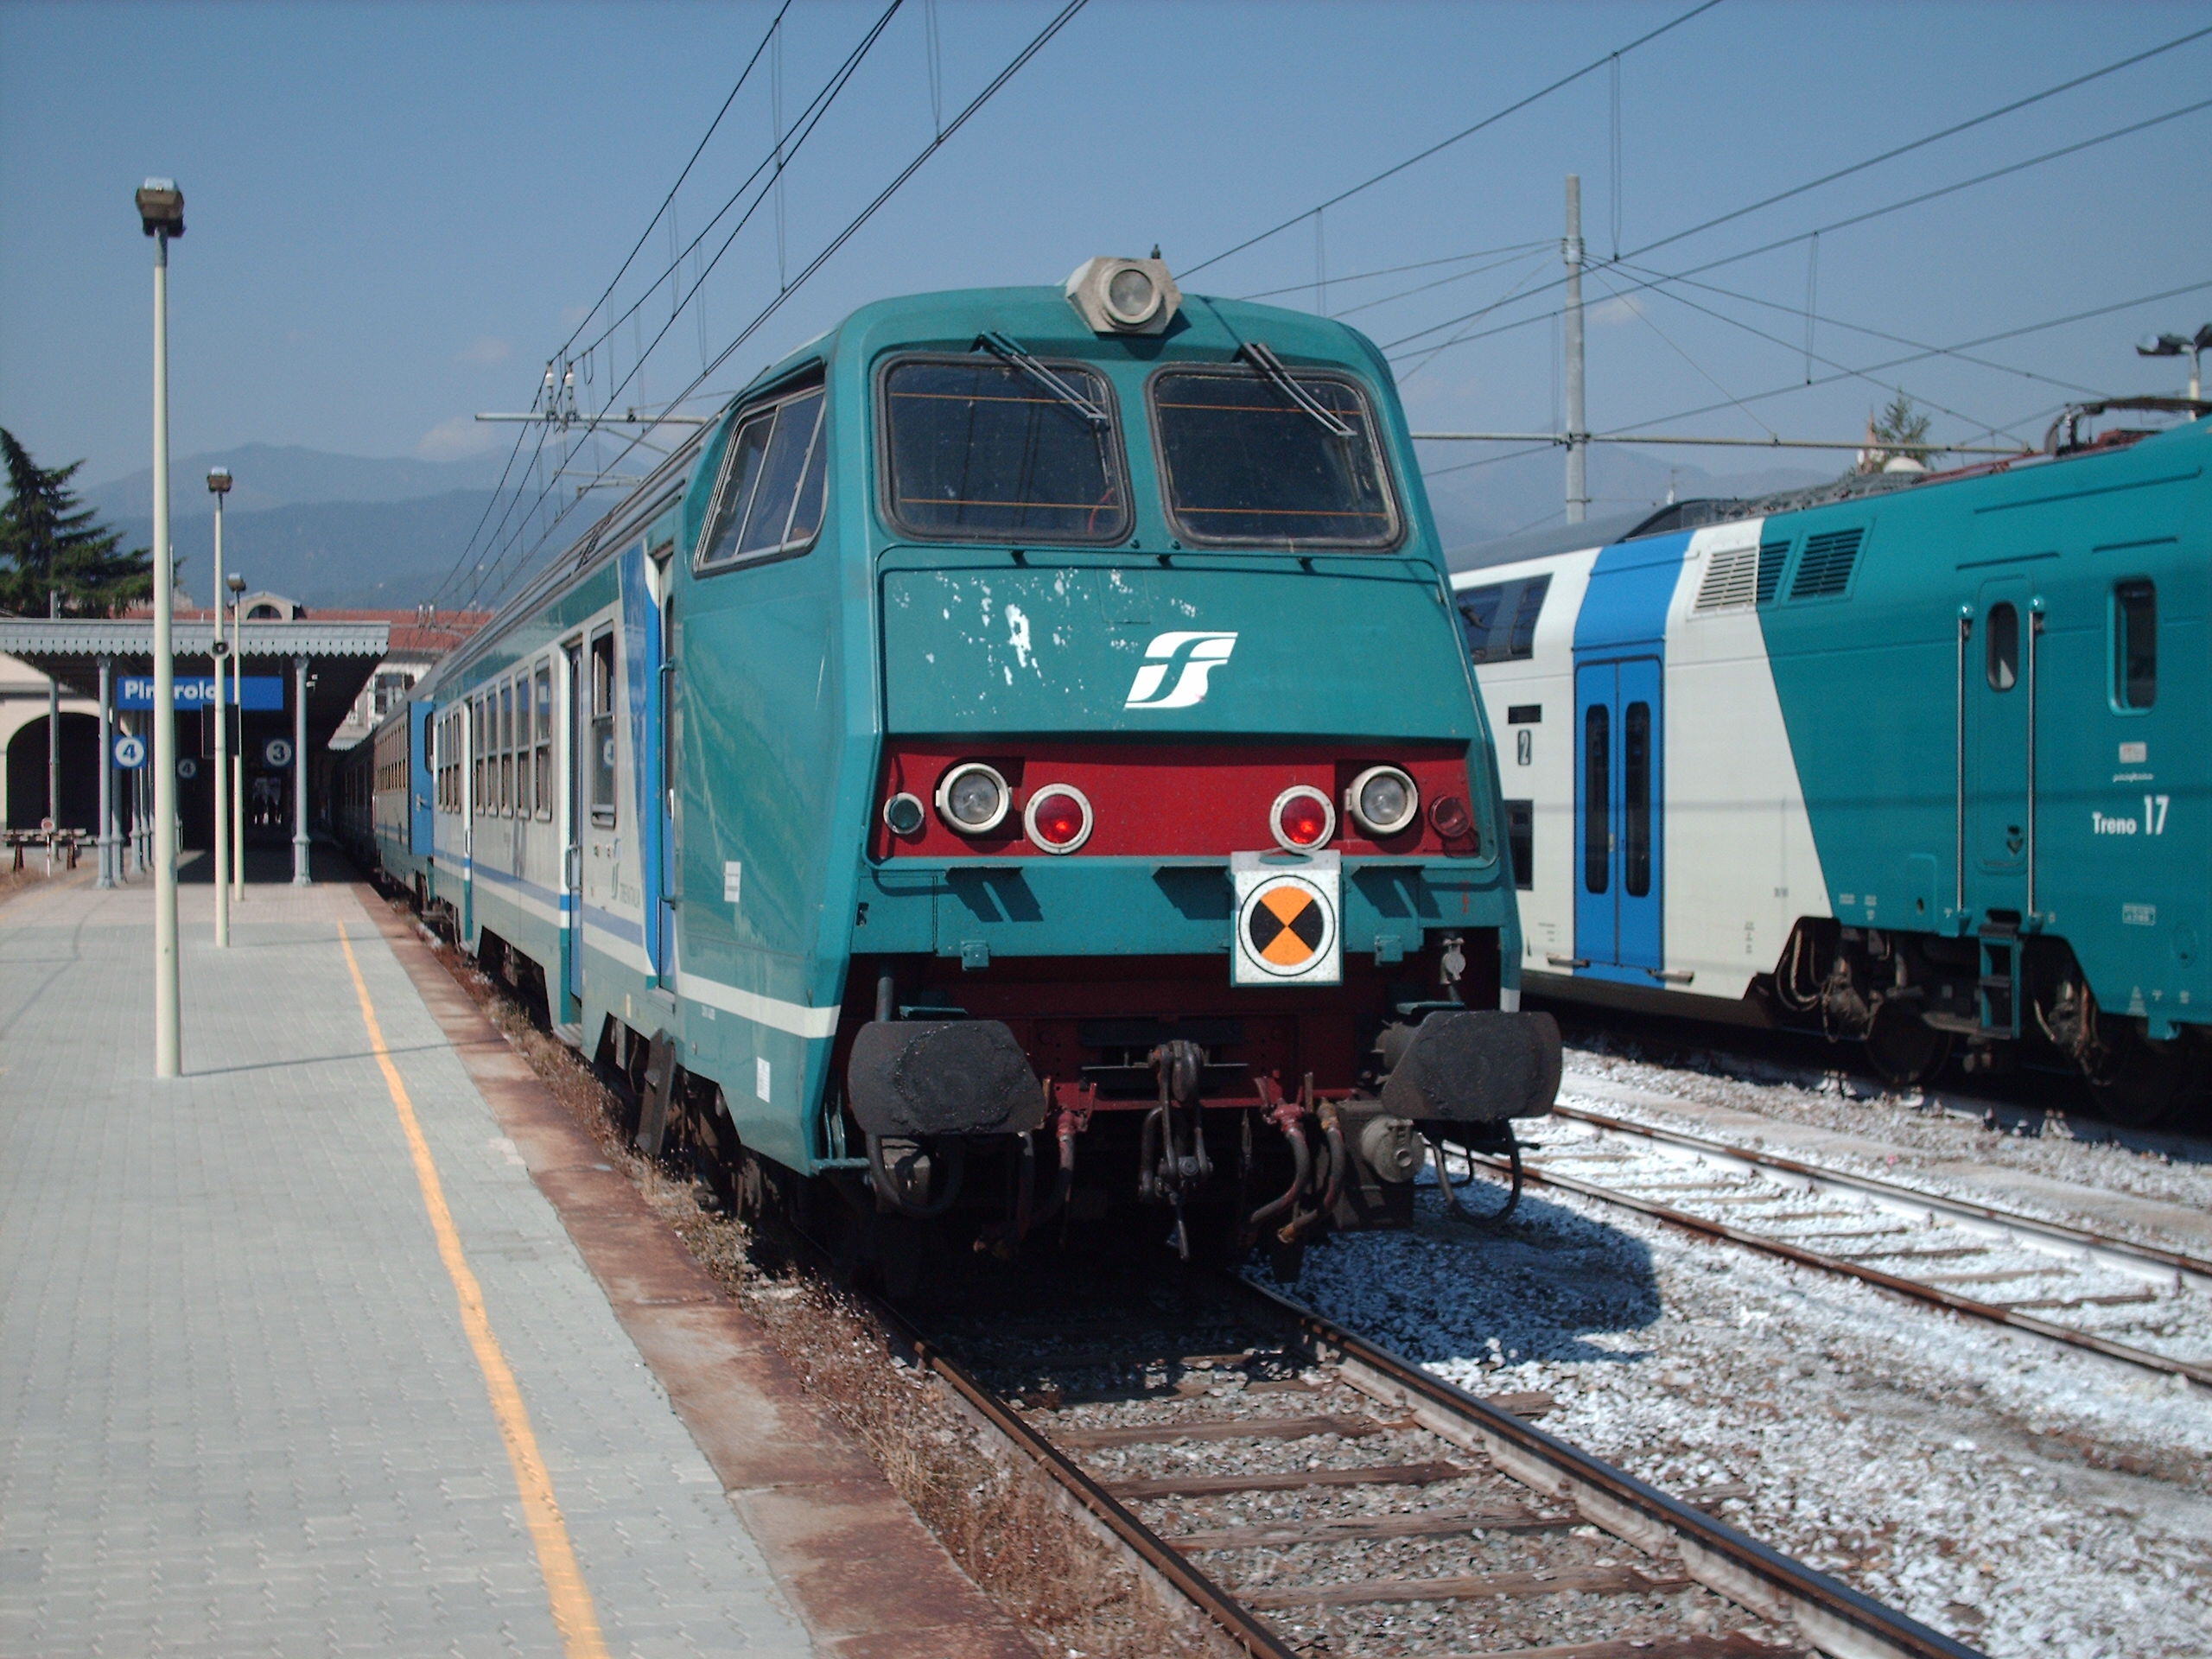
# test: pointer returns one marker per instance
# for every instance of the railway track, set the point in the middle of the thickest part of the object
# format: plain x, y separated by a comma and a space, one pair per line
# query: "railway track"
1309, 1491
2144, 1306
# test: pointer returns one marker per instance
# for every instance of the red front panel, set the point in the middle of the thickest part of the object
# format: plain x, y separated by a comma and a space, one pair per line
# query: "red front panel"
1168, 800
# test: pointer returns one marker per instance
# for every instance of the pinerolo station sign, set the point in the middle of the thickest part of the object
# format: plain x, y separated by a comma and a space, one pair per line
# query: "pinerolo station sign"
198, 692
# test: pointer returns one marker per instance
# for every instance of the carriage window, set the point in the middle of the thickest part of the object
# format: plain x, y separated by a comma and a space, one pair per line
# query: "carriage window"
1597, 796
1244, 463
2135, 644
479, 740
768, 497
1500, 619
545, 740
507, 748
979, 451
1521, 843
2002, 648
1635, 799
602, 731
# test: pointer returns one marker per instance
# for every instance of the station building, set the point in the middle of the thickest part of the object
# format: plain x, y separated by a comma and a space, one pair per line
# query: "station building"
313, 682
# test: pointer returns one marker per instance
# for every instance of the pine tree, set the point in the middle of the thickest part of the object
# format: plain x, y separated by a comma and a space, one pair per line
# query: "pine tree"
1900, 430
48, 545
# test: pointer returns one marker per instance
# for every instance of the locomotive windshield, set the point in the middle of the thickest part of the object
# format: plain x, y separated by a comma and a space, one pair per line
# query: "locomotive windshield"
984, 450
1246, 461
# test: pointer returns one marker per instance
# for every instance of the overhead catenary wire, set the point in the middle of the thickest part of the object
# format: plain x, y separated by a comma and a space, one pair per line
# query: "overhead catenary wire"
859, 220
2015, 333
1917, 200
698, 149
1818, 231
1397, 270
816, 109
1419, 156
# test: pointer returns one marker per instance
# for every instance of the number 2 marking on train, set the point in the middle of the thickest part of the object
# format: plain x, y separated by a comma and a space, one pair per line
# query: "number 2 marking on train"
2154, 814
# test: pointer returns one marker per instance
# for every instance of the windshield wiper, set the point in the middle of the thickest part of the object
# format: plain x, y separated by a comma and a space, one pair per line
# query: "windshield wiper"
999, 346
1272, 366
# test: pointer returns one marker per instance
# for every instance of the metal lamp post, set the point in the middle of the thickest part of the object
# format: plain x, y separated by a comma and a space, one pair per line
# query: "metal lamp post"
2173, 345
161, 215
218, 484
236, 585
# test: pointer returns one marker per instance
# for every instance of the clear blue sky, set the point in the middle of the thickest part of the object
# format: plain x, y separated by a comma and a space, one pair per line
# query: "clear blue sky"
395, 211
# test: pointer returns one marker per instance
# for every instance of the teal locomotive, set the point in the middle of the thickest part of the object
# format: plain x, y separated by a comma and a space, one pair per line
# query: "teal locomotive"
1018, 766
1915, 758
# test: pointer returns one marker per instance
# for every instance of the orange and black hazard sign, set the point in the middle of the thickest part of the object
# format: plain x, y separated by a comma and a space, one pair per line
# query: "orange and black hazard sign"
1286, 930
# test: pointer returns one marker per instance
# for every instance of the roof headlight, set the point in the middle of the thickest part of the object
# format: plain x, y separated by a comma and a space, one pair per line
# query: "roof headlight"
1131, 295
1124, 297
973, 798
1382, 801
1302, 818
1057, 817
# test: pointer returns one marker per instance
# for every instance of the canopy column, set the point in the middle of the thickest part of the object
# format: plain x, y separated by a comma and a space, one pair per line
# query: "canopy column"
300, 877
105, 839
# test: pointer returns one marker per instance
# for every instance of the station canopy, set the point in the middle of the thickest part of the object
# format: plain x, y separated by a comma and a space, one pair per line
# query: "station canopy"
340, 656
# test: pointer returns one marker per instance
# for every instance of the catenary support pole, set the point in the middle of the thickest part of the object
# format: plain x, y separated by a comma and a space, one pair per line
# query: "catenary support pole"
52, 733
220, 850
106, 840
300, 877
168, 1013
1578, 425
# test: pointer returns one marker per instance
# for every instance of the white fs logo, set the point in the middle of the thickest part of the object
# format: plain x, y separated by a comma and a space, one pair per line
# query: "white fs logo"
1191, 656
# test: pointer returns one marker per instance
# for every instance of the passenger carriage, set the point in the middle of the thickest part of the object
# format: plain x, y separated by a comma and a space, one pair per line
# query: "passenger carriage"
1924, 763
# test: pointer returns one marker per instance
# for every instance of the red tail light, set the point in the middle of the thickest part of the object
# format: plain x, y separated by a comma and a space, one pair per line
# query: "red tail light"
1058, 817
1303, 818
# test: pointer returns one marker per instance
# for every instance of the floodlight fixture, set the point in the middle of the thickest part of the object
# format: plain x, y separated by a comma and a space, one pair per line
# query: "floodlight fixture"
161, 209
219, 480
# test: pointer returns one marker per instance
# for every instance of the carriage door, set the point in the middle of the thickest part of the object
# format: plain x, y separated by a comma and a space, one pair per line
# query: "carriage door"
1998, 682
422, 781
666, 854
1617, 816
577, 794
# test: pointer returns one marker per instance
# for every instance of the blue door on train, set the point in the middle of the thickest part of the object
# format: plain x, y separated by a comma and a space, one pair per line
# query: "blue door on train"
1619, 792
1617, 894
422, 786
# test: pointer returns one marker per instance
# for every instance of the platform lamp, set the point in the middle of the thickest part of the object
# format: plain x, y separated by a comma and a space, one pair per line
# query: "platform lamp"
161, 215
2173, 345
236, 583
219, 485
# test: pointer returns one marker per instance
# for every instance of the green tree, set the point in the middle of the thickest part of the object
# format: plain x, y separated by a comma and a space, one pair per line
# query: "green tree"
48, 545
1900, 430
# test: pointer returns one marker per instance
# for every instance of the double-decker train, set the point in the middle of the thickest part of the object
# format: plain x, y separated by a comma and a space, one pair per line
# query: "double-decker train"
1018, 765
1923, 760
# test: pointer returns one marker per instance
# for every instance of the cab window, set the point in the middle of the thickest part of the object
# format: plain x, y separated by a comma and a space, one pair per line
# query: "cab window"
1243, 460
768, 490
2134, 644
983, 449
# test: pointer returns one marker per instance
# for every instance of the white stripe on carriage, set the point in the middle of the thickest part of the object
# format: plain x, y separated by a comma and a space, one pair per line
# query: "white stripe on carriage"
799, 1018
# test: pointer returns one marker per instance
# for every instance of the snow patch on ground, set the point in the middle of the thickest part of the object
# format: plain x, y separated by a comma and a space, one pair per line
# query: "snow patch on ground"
2026, 1499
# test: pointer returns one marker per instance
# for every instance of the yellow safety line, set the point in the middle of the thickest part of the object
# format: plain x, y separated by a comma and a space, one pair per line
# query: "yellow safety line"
565, 1588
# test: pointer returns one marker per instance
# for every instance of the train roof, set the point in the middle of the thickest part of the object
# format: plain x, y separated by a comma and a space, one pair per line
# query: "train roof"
2063, 444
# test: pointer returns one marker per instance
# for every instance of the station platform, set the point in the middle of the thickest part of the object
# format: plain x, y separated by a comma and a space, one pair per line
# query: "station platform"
349, 1340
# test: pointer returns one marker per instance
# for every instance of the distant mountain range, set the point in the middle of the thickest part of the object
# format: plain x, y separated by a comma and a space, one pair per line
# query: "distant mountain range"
288, 474
350, 531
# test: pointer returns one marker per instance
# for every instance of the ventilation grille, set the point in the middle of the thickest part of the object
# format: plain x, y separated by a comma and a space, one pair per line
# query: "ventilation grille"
1824, 568
1731, 580
1772, 557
